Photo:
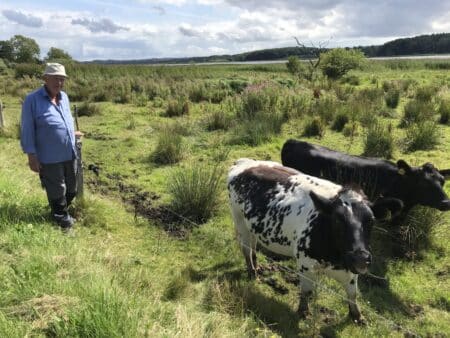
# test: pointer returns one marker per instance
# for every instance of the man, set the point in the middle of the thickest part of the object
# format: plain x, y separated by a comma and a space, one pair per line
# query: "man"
48, 138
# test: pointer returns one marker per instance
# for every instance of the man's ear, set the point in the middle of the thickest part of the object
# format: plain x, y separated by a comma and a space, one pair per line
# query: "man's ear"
321, 203
403, 167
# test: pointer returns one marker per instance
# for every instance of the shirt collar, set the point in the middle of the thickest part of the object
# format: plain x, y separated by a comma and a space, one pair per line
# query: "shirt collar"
44, 93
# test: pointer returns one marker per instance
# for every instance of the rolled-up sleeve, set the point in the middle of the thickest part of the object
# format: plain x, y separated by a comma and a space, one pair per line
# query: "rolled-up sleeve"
27, 127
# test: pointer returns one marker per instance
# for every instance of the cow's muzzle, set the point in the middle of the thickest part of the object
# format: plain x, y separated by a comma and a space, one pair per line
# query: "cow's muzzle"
358, 261
444, 205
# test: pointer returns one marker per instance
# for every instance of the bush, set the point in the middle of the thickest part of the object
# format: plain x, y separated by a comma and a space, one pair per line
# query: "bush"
336, 62
177, 108
422, 136
351, 80
392, 97
88, 109
196, 191
170, 147
28, 69
415, 112
295, 66
378, 141
314, 127
257, 99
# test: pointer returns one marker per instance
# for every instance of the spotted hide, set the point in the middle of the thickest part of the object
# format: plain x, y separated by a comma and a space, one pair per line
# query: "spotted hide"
320, 224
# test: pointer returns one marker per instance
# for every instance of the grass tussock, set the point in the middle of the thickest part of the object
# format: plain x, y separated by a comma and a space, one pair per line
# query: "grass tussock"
88, 109
379, 141
196, 190
314, 127
170, 147
422, 136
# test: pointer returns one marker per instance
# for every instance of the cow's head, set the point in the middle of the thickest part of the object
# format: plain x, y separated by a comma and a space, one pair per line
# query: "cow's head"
428, 183
351, 217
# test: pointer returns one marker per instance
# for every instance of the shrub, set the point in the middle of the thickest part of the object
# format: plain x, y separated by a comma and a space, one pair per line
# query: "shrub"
324, 107
340, 120
392, 97
422, 136
28, 69
415, 112
295, 66
170, 147
88, 109
314, 127
378, 141
338, 61
177, 108
196, 191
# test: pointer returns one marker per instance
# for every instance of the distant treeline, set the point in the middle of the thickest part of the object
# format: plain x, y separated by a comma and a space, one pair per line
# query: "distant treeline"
419, 45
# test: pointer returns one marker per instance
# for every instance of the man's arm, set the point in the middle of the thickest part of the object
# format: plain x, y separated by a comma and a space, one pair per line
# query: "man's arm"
28, 134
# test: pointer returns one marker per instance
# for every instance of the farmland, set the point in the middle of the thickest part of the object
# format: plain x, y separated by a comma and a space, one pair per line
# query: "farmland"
154, 252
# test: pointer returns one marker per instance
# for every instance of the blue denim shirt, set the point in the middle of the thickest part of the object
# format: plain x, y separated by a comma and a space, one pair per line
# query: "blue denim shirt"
47, 129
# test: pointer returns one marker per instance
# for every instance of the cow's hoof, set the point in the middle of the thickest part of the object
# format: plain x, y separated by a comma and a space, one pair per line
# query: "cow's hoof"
359, 320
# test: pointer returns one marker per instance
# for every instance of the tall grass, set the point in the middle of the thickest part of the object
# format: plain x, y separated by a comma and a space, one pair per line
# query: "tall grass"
379, 141
422, 136
169, 148
195, 190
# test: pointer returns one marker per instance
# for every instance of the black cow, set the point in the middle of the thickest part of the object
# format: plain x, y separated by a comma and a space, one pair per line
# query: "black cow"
324, 226
413, 185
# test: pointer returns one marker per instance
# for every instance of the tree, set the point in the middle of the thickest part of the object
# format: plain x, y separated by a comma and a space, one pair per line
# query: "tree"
338, 61
57, 54
24, 49
6, 50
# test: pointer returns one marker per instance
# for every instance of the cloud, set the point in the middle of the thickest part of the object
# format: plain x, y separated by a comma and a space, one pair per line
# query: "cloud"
159, 10
97, 26
23, 19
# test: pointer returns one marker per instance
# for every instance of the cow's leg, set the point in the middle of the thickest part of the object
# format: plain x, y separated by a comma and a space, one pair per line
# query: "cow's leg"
247, 243
350, 283
351, 288
306, 290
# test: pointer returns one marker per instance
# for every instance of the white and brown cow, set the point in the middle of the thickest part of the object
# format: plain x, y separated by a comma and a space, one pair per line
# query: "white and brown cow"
320, 224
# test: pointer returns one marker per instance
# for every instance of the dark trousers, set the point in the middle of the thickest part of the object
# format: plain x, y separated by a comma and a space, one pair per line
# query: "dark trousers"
60, 183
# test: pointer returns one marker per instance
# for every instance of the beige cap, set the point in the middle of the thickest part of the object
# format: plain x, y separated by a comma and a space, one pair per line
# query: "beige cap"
55, 69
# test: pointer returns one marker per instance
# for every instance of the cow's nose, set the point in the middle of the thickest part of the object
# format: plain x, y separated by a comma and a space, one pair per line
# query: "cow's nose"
362, 257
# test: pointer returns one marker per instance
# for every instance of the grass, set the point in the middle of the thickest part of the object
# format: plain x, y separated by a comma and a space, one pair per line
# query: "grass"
122, 274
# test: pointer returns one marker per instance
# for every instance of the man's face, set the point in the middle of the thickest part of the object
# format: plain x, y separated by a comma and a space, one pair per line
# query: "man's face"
54, 83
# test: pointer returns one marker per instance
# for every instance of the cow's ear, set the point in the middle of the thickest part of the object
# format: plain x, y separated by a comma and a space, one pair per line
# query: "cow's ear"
383, 205
403, 167
321, 203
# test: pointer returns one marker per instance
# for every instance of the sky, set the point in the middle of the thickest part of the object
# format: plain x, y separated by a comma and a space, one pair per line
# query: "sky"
139, 29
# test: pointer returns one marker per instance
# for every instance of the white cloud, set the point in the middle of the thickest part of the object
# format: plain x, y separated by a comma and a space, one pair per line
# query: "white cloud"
97, 26
22, 18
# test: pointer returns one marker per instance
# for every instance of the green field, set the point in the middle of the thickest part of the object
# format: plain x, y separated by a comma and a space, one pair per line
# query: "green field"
154, 253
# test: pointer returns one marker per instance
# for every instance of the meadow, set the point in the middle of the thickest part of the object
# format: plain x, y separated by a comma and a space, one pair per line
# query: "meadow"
154, 253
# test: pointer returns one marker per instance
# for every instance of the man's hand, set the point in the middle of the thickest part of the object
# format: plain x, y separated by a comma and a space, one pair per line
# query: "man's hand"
33, 162
78, 134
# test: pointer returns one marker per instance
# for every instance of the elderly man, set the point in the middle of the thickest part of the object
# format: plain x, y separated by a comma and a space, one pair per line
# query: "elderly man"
48, 138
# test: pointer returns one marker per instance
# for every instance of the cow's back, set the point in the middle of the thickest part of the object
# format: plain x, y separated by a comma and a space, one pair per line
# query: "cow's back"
273, 202
373, 175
